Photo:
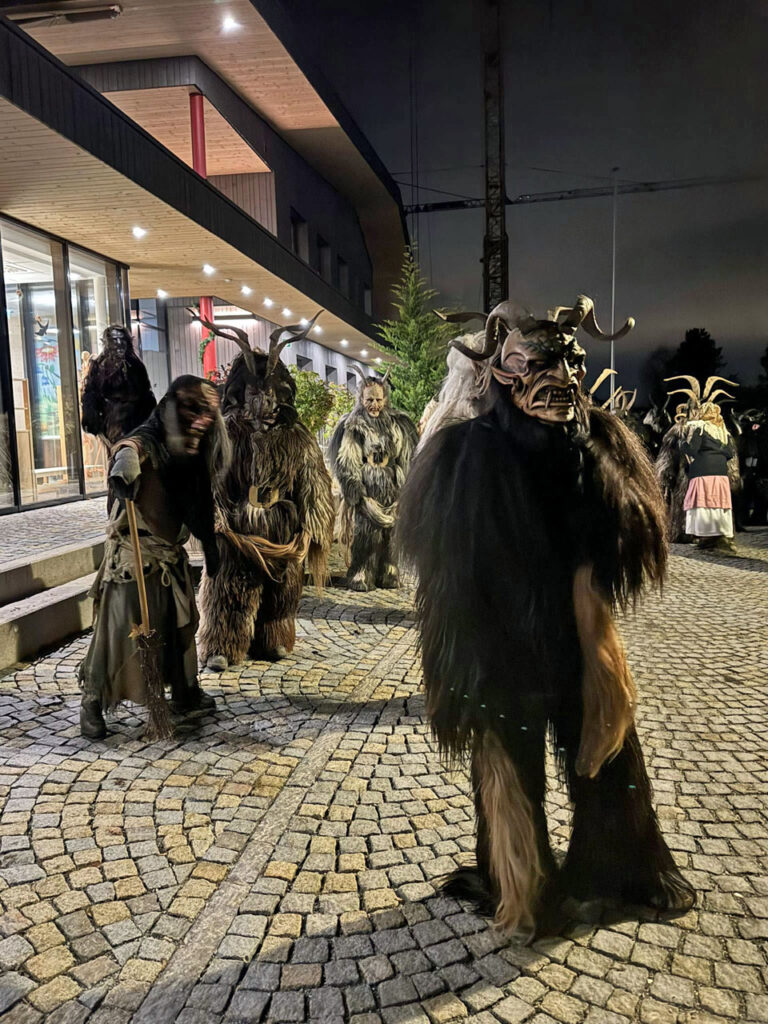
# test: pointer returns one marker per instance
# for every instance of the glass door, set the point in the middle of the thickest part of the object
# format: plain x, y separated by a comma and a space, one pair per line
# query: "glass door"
95, 302
43, 384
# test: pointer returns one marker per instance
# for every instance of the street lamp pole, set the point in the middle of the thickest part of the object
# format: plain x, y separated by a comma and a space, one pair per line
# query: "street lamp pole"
614, 173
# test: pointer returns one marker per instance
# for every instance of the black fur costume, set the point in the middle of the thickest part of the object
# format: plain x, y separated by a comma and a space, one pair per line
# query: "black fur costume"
525, 534
370, 456
117, 395
274, 513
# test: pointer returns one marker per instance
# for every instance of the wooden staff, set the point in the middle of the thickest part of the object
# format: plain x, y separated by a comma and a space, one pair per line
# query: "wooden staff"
148, 643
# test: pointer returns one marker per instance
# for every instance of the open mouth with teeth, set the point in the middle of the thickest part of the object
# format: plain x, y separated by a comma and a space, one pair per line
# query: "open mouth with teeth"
556, 398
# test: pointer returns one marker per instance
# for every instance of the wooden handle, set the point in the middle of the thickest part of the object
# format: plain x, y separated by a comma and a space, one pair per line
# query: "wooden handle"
130, 509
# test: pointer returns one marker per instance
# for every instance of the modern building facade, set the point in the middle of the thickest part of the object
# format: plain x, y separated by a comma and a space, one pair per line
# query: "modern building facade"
159, 155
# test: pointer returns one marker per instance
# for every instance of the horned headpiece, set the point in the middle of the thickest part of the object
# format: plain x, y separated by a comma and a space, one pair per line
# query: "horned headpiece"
366, 379
695, 394
278, 339
557, 330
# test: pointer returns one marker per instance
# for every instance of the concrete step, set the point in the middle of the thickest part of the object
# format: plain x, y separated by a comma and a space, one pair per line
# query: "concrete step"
42, 621
28, 576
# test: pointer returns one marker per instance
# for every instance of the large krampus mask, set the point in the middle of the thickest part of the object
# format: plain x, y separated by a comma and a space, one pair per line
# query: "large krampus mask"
539, 361
259, 388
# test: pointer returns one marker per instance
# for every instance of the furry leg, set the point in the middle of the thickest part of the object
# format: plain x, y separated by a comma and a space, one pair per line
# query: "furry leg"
386, 574
365, 554
513, 854
228, 605
617, 850
275, 628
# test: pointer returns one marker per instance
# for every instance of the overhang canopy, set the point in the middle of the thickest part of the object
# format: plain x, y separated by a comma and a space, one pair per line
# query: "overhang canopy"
266, 61
76, 167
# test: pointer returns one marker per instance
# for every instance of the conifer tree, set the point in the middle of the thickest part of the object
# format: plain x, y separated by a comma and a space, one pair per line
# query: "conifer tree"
419, 340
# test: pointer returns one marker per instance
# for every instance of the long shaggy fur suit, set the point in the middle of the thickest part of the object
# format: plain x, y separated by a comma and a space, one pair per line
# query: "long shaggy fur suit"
525, 536
370, 454
274, 516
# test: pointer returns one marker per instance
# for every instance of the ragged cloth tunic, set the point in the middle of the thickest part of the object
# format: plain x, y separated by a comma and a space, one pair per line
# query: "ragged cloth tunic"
111, 670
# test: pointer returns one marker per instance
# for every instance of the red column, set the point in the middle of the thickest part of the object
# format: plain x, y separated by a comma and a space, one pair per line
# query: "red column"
197, 124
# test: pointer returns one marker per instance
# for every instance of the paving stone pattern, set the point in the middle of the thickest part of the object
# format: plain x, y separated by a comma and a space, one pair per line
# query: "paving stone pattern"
280, 860
31, 534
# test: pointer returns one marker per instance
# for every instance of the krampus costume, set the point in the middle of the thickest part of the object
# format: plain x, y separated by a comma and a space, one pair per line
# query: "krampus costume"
117, 395
671, 463
527, 524
370, 453
274, 511
167, 467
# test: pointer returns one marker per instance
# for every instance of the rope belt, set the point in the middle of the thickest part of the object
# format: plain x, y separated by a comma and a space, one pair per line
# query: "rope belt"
260, 550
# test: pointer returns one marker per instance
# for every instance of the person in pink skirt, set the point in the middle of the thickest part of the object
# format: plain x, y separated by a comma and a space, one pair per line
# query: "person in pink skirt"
708, 506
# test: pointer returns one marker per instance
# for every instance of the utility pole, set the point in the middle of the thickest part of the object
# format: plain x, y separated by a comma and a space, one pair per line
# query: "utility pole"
614, 173
495, 243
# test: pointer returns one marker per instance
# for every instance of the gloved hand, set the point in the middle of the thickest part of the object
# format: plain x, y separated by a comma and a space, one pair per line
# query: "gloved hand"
125, 473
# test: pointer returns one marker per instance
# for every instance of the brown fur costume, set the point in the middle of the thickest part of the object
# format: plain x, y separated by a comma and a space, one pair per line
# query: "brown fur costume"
527, 526
274, 514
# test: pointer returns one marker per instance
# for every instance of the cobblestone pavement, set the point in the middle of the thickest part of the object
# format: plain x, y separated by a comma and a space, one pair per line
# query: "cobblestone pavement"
279, 860
25, 535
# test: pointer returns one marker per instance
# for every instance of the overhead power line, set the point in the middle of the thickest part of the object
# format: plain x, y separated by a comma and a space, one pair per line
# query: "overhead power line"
583, 193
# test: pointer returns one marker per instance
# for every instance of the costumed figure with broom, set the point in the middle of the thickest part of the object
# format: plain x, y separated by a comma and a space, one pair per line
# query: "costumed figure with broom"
274, 511
145, 622
528, 524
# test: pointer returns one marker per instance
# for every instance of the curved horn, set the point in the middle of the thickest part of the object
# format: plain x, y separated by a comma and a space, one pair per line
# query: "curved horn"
607, 372
489, 347
356, 369
696, 387
229, 333
686, 391
590, 325
631, 401
711, 381
721, 391
385, 378
282, 336
575, 314
458, 318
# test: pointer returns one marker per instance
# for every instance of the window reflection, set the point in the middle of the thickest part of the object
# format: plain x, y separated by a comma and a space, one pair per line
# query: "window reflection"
93, 294
44, 395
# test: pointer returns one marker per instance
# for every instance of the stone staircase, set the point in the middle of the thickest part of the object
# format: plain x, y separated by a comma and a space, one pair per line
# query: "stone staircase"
48, 561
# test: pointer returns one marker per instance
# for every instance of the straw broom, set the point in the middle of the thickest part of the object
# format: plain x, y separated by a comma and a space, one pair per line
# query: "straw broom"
148, 643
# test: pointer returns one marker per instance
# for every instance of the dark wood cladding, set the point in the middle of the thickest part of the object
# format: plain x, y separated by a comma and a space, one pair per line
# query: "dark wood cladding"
36, 82
254, 193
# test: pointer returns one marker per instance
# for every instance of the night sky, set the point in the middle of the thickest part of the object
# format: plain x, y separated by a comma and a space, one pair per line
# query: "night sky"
677, 89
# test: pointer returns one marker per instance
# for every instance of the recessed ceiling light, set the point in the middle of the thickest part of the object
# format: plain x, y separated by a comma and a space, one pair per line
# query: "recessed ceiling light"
245, 290
344, 343
208, 269
139, 232
303, 322
363, 352
229, 24
268, 303
161, 294
287, 312
317, 329
378, 359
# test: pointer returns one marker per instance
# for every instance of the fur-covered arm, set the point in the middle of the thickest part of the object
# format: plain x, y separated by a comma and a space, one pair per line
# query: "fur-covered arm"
92, 402
315, 506
409, 440
346, 455
629, 544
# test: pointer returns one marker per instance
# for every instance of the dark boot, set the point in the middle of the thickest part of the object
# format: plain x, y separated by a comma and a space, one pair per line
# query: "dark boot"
193, 699
92, 724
